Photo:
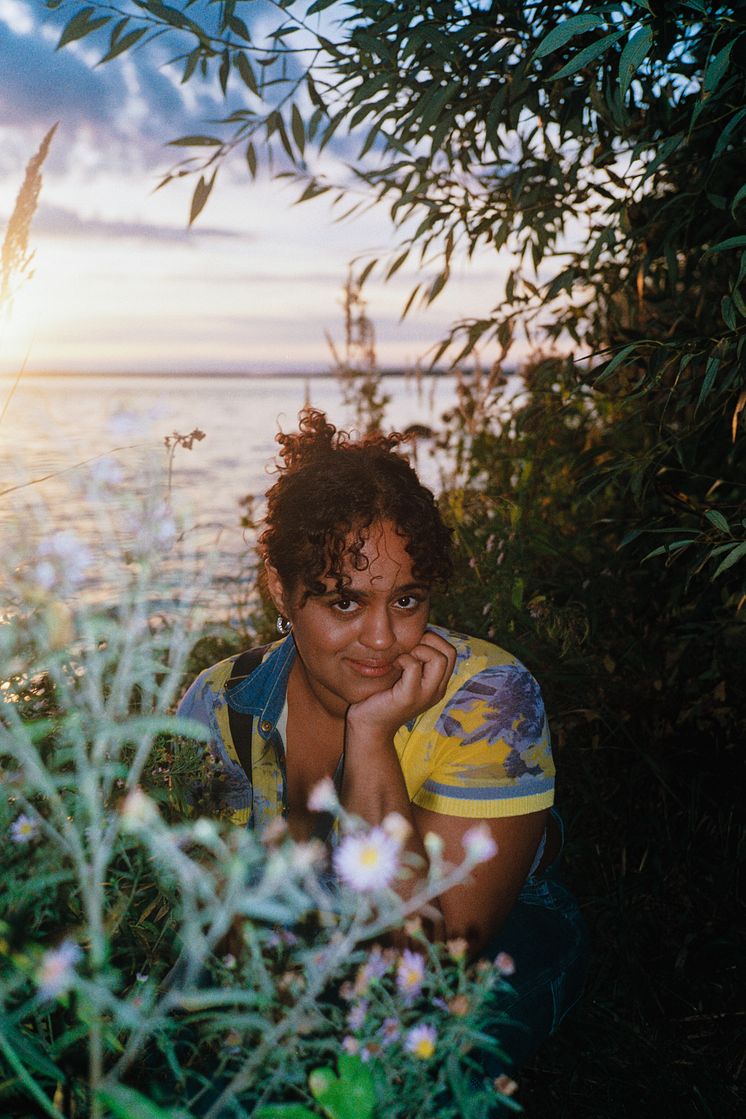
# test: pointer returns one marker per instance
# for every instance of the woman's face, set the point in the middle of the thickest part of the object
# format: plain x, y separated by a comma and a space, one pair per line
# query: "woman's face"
348, 642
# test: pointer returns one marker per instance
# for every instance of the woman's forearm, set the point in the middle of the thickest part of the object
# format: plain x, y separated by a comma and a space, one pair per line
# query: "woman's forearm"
373, 787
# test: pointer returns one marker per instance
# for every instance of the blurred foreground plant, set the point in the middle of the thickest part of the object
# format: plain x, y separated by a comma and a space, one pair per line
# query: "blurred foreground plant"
154, 961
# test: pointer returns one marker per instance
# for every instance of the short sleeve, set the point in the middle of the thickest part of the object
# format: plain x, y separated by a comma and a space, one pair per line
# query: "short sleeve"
490, 750
198, 703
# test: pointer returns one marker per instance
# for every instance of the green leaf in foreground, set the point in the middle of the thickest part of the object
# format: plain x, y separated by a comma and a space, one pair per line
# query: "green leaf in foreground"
285, 1111
351, 1095
736, 553
127, 1103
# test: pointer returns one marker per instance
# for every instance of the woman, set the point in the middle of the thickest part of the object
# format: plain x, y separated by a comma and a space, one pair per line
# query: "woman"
406, 717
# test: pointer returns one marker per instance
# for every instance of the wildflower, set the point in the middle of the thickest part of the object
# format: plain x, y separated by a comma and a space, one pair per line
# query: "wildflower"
457, 948
356, 1016
421, 1042
374, 968
389, 1031
350, 1044
505, 1086
141, 977
204, 831
323, 796
459, 1006
367, 862
434, 846
65, 552
479, 844
138, 810
23, 829
306, 856
57, 971
229, 961
397, 827
504, 963
410, 973
413, 926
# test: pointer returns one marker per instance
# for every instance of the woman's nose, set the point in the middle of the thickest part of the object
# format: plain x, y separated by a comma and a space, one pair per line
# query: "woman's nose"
377, 631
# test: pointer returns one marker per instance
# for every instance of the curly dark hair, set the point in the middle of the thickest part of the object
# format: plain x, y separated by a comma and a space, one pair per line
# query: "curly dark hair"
331, 488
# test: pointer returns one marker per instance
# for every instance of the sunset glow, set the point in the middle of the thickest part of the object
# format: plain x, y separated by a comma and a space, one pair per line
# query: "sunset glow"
122, 285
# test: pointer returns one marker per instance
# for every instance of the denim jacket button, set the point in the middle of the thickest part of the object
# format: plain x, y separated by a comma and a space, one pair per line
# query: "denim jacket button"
266, 726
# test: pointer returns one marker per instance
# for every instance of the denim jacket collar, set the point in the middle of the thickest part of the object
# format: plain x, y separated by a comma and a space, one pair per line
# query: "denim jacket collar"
263, 693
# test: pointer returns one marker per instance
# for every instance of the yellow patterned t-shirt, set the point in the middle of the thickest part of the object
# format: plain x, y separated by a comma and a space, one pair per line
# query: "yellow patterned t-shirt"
483, 752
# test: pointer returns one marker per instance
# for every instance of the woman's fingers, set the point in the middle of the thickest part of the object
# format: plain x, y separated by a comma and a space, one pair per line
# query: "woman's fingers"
438, 658
427, 669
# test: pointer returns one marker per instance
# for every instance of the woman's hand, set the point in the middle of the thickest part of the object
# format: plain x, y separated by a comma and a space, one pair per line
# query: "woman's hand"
425, 672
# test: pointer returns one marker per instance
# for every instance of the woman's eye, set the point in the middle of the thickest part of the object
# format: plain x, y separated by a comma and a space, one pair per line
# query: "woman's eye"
344, 605
408, 602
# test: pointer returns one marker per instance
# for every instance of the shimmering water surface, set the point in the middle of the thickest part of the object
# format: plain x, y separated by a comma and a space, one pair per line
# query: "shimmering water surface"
55, 426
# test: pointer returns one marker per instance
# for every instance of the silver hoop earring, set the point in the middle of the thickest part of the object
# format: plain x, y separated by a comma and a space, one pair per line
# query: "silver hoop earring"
284, 625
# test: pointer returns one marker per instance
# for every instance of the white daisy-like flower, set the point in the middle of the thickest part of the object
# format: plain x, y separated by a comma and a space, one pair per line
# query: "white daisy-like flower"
479, 844
421, 1042
57, 971
24, 829
323, 796
410, 973
367, 862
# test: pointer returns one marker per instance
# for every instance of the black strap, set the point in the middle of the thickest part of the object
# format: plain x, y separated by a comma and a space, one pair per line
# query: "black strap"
240, 722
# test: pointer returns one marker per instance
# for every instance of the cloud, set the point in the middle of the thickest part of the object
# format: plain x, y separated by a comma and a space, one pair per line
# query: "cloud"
58, 221
129, 107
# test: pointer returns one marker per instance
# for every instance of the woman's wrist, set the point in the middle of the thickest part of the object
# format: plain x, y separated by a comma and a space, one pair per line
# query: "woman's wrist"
363, 736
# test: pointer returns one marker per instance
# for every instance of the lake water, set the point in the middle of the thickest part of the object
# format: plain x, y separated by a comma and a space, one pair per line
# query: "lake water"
55, 426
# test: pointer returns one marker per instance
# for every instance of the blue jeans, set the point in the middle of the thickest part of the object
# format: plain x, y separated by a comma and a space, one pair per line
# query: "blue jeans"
549, 942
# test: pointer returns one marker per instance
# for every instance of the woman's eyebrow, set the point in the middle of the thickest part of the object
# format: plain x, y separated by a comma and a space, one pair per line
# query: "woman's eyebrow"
395, 592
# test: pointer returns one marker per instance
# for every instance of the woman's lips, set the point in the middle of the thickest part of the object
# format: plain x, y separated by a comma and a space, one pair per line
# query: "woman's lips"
371, 668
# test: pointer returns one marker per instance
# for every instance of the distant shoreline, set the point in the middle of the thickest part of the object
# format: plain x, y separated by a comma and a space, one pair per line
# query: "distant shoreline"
224, 375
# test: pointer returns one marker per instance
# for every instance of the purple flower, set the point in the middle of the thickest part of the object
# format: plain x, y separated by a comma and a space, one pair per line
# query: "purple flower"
421, 1042
390, 1031
57, 971
23, 829
356, 1016
410, 973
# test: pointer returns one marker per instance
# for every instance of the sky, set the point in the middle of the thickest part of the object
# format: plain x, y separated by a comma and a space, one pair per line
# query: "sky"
121, 284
